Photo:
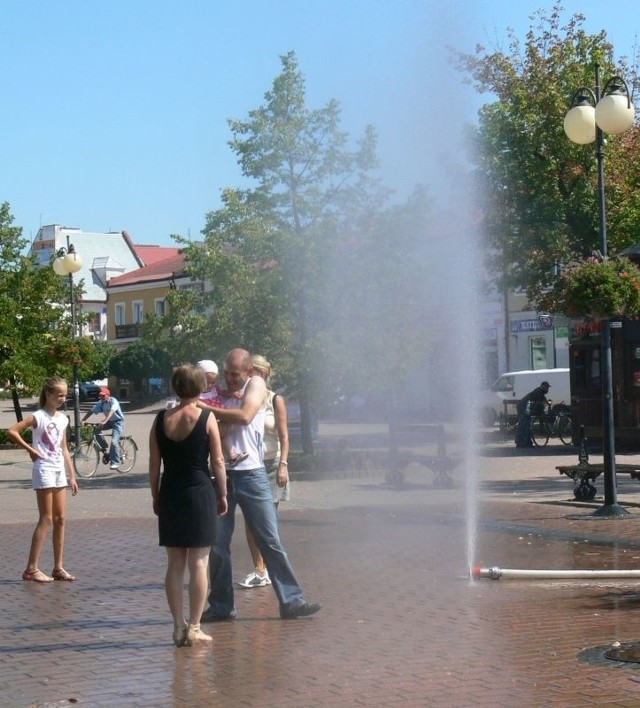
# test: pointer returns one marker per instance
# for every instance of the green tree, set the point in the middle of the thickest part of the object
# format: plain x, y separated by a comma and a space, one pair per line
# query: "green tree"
379, 303
186, 332
35, 328
99, 365
30, 314
539, 189
309, 265
268, 249
139, 361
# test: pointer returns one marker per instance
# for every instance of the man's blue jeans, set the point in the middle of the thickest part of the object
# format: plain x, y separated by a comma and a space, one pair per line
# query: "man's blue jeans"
114, 451
251, 491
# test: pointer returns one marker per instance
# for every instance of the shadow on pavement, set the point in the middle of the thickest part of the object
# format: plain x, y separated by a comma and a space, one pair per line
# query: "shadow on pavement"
135, 480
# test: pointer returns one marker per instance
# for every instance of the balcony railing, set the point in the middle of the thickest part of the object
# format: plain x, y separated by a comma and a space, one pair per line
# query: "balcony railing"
128, 331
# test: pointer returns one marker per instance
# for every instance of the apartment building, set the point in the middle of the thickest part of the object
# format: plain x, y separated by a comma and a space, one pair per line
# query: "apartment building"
134, 295
105, 255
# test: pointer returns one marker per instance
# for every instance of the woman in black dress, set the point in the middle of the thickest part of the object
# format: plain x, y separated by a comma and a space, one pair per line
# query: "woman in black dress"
185, 440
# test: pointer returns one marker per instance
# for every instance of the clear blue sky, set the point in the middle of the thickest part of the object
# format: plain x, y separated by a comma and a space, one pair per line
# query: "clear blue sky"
114, 114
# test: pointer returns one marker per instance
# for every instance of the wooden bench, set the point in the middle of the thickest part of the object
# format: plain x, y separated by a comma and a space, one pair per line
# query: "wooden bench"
441, 464
584, 473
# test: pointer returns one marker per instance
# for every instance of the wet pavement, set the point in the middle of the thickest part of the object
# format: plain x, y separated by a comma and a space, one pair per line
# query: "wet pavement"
402, 623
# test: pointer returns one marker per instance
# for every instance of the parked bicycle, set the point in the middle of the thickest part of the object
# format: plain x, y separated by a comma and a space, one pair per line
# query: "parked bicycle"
86, 459
555, 421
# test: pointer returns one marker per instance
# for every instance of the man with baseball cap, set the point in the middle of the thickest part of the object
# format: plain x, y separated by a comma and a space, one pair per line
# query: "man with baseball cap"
530, 405
113, 420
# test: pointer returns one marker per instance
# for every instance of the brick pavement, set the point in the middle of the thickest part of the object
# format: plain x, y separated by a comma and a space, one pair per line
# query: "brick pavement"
402, 623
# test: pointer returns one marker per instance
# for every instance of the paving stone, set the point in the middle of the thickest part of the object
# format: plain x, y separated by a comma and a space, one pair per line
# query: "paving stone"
402, 621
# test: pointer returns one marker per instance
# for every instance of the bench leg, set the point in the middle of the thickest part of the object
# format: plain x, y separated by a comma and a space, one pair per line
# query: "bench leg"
395, 476
584, 491
443, 480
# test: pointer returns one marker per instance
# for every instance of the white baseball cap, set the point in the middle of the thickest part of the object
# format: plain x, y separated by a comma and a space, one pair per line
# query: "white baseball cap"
208, 366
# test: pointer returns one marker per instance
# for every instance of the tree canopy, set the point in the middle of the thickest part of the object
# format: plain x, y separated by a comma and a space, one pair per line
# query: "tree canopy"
140, 361
35, 329
540, 189
29, 309
289, 259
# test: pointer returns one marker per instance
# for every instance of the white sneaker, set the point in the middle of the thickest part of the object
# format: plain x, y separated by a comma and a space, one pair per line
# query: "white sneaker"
114, 466
255, 580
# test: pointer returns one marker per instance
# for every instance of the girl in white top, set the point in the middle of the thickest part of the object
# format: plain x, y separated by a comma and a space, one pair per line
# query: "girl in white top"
50, 457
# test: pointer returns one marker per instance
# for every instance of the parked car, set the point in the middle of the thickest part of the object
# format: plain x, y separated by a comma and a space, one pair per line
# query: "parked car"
89, 391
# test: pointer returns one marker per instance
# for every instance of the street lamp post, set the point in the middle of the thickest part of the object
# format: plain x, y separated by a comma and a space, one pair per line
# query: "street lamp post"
66, 263
591, 114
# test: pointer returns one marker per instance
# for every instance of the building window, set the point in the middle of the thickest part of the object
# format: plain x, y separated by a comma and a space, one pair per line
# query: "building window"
160, 307
119, 313
137, 312
538, 353
198, 287
94, 323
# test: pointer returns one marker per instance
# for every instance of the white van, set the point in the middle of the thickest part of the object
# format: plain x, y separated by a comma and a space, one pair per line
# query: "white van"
515, 385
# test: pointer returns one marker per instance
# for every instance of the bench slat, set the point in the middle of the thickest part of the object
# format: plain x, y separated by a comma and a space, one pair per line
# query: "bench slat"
598, 467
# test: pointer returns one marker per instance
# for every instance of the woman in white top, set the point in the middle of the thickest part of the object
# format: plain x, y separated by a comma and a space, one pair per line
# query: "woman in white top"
276, 452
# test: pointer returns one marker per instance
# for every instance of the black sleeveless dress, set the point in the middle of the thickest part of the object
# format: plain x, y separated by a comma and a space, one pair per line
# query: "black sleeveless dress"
187, 499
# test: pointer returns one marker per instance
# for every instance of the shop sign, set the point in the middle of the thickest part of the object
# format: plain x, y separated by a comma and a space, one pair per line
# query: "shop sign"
585, 328
537, 325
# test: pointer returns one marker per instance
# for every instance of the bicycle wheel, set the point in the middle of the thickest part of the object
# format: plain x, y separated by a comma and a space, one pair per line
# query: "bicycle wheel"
539, 431
128, 454
86, 459
564, 426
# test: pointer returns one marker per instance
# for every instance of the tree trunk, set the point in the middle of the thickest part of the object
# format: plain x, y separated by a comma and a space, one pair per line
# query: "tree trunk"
306, 431
16, 403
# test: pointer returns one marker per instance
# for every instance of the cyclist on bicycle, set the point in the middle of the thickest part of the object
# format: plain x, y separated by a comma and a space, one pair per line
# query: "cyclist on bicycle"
109, 406
530, 405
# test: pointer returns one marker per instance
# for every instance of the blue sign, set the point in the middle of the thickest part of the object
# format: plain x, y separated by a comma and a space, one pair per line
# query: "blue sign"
538, 325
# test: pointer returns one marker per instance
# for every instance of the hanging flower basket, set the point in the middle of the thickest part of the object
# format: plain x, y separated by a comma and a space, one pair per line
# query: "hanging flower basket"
597, 288
71, 352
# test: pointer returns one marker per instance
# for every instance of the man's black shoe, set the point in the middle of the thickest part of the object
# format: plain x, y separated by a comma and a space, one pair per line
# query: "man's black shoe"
209, 616
304, 610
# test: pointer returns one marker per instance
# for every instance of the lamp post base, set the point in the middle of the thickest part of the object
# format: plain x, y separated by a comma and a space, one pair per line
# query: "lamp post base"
611, 511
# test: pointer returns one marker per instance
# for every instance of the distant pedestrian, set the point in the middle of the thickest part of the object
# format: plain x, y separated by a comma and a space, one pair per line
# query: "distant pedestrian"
113, 420
530, 405
186, 443
50, 457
